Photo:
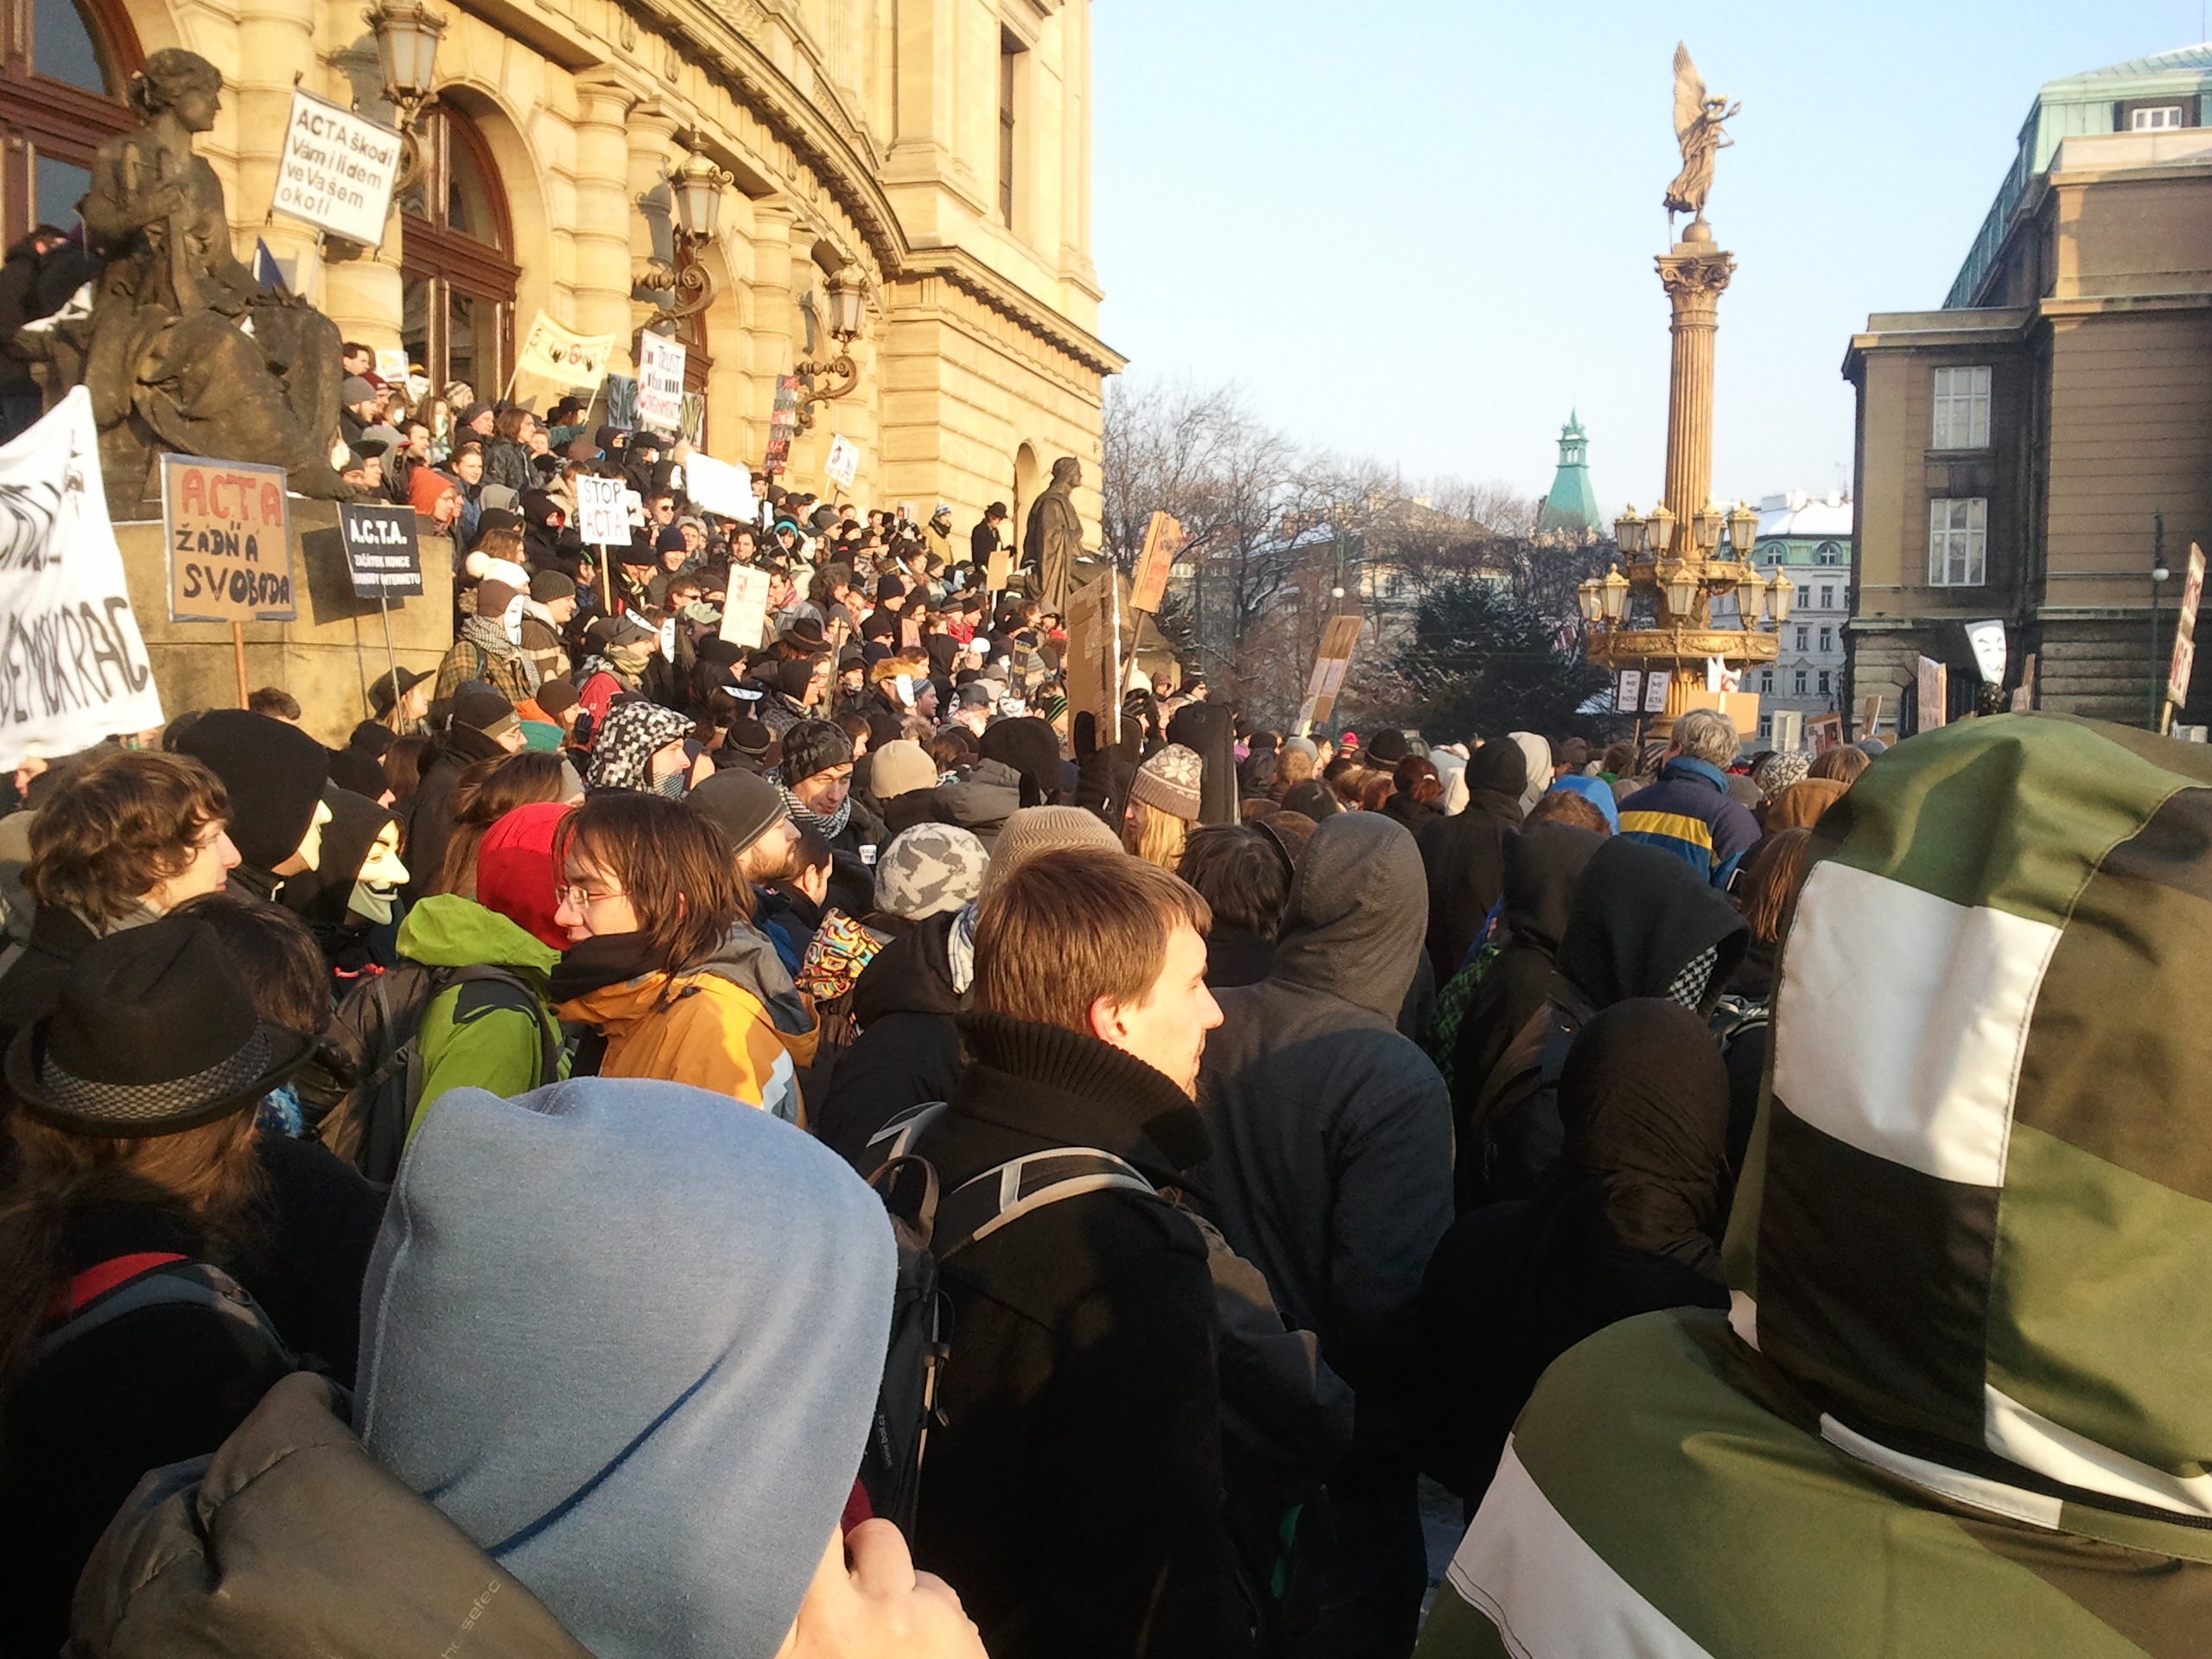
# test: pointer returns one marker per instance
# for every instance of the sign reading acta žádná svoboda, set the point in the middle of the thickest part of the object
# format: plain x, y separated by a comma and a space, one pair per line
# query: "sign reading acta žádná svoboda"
72, 667
336, 170
226, 525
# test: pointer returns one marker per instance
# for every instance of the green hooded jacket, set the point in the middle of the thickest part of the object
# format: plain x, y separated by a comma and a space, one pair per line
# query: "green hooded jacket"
1962, 1404
473, 1035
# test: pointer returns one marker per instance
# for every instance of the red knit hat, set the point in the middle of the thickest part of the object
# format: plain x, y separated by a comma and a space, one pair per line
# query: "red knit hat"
515, 872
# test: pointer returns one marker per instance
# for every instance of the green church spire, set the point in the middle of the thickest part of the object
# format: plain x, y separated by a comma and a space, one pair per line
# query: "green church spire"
1572, 508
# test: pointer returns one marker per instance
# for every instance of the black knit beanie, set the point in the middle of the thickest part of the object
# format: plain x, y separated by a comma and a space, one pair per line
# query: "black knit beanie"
1031, 748
273, 774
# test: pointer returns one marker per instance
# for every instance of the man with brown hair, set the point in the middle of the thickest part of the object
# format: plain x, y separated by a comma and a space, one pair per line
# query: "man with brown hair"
126, 839
1073, 1492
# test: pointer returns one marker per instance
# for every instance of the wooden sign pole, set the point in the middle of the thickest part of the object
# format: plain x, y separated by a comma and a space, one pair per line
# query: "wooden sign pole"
238, 650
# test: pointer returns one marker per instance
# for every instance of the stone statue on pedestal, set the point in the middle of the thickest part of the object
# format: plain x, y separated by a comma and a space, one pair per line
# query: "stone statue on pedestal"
183, 351
1053, 538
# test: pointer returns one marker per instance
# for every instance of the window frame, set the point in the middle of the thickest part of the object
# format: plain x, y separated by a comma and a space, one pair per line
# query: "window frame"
1009, 89
1946, 401
1972, 555
2137, 124
42, 116
454, 262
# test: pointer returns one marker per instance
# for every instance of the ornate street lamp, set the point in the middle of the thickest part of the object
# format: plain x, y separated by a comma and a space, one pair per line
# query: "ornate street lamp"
1744, 531
407, 35
1614, 597
1628, 533
1681, 586
1705, 527
1590, 597
847, 292
697, 184
1778, 597
1659, 531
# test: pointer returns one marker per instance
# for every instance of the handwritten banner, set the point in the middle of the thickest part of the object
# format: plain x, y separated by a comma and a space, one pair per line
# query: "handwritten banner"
660, 384
226, 525
336, 170
563, 354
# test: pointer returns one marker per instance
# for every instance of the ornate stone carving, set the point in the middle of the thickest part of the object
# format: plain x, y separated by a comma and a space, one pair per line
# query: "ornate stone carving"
1698, 121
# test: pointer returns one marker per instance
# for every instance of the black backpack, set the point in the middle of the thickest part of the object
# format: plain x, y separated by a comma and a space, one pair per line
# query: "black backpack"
930, 1227
375, 1039
172, 1282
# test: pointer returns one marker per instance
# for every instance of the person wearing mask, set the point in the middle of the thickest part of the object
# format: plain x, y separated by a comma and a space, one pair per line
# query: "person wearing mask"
1951, 1406
815, 778
487, 648
482, 726
121, 841
1164, 805
614, 1410
1464, 855
656, 964
274, 774
1687, 812
1628, 1222
1072, 1489
140, 1200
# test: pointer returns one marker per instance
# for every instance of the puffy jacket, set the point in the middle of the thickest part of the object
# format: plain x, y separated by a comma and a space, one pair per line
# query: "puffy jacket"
475, 1035
1689, 813
293, 1539
717, 1027
1960, 1404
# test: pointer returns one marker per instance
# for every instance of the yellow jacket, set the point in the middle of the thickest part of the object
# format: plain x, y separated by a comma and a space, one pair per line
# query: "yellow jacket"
705, 1030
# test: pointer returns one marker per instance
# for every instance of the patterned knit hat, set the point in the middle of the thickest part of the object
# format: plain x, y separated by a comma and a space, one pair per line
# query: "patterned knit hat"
1030, 830
1974, 1214
1170, 781
1778, 771
929, 869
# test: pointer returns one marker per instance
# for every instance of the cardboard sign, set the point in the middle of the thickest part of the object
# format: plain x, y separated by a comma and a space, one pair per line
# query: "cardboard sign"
1935, 687
2185, 630
745, 608
1093, 681
998, 571
620, 393
721, 488
660, 384
336, 170
72, 667
1628, 694
844, 462
226, 525
382, 556
392, 365
783, 425
1163, 540
1330, 666
563, 355
601, 519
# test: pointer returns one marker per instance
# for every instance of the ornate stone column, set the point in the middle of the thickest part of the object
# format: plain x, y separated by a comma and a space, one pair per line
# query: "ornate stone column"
601, 232
1693, 274
275, 43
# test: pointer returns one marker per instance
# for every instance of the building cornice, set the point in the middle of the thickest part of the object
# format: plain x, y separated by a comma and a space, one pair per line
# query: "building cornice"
980, 283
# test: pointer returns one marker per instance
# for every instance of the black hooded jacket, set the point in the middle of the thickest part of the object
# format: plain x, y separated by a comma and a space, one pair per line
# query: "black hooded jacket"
1641, 924
1543, 862
1332, 1131
1464, 855
908, 1049
1627, 1223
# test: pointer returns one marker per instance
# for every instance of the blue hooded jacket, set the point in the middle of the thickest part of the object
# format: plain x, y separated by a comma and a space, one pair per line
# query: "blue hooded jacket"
628, 1338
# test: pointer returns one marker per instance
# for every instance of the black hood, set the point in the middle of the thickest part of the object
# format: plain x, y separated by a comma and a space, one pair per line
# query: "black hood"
1639, 917
324, 894
1543, 863
1357, 914
911, 975
1497, 773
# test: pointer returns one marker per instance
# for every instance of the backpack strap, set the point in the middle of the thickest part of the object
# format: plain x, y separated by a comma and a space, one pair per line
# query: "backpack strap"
979, 1207
526, 1002
171, 1281
897, 1137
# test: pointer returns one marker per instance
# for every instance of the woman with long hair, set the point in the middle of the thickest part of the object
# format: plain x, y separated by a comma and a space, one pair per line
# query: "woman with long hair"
657, 965
1163, 805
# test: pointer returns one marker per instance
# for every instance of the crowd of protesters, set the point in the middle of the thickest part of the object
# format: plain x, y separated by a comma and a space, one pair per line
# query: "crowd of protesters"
651, 1147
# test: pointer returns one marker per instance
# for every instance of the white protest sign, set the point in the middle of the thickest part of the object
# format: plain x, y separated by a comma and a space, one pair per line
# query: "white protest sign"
72, 667
745, 607
721, 488
660, 384
336, 170
392, 364
844, 461
564, 355
601, 520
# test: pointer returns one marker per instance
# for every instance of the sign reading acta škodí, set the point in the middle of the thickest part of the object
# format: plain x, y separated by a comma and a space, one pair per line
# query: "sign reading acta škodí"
381, 555
336, 170
72, 667
660, 384
224, 524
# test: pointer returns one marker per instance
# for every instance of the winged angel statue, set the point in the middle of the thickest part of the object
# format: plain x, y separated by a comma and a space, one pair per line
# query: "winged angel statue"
1697, 124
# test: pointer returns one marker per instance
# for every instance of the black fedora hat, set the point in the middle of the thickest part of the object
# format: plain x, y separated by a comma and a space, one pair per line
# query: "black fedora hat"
806, 634
154, 1034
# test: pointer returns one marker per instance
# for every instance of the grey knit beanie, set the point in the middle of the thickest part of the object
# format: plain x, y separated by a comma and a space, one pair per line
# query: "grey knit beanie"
1170, 781
1778, 771
929, 869
899, 767
1030, 830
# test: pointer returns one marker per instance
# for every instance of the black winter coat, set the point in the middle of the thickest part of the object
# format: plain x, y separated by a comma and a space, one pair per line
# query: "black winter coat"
908, 1049
1074, 1493
1464, 858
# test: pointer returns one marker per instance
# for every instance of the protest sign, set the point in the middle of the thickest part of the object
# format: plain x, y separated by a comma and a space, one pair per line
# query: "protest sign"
562, 354
1163, 539
601, 520
72, 667
1986, 641
382, 556
336, 170
695, 418
783, 424
224, 525
844, 461
1090, 659
721, 488
1330, 664
620, 393
392, 365
1656, 684
1933, 685
1628, 698
745, 608
660, 384
2184, 659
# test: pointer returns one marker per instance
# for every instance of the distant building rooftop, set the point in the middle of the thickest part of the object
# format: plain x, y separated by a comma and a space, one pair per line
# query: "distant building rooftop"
1572, 506
1796, 515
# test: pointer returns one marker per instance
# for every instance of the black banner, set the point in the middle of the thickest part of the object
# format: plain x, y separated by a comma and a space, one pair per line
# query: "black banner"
381, 553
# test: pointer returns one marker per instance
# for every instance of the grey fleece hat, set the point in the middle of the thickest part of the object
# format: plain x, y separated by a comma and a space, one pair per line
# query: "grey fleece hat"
1031, 830
743, 803
929, 869
1170, 782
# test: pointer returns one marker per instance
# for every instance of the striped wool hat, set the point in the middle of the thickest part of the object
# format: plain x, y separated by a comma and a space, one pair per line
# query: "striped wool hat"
1976, 1219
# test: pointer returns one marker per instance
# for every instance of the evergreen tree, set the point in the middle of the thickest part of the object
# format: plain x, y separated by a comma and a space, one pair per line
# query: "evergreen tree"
1483, 661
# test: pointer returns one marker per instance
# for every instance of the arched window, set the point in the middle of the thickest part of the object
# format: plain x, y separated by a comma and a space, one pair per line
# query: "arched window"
1830, 553
456, 260
63, 68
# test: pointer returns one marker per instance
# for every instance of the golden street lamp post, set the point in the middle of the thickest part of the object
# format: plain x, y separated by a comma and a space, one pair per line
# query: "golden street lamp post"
1671, 560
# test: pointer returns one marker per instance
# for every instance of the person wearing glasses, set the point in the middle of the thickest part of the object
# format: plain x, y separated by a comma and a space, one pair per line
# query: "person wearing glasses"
657, 964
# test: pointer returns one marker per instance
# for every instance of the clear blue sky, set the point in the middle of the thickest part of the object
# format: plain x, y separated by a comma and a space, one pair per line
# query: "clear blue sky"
1422, 230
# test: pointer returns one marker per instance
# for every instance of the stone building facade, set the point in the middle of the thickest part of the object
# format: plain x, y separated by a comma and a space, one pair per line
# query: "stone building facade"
942, 146
1807, 538
2018, 450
